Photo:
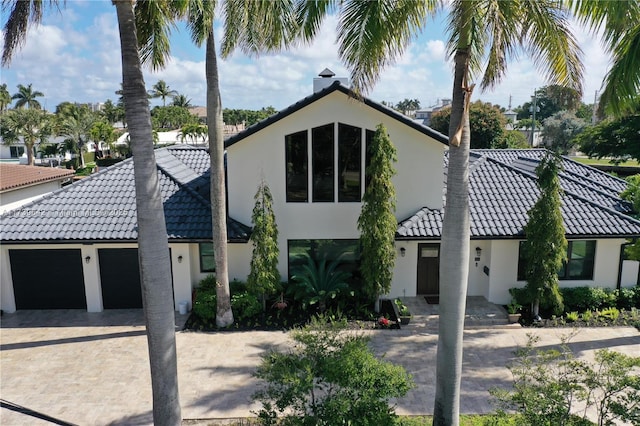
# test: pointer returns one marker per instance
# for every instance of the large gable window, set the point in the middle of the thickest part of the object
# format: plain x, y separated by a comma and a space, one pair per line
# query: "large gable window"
322, 154
297, 167
349, 162
336, 165
579, 265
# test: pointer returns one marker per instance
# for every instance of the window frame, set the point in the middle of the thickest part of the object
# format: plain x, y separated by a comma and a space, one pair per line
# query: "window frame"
564, 273
288, 197
202, 255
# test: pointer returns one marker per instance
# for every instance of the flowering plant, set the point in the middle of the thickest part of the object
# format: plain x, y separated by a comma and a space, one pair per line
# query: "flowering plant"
383, 322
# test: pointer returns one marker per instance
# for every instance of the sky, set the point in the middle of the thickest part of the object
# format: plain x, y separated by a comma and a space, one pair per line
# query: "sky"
74, 55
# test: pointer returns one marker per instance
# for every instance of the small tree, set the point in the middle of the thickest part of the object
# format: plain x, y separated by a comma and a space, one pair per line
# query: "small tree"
377, 223
546, 246
331, 377
264, 277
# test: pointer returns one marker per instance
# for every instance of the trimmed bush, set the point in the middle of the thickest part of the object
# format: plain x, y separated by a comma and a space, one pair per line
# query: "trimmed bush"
588, 298
107, 161
204, 304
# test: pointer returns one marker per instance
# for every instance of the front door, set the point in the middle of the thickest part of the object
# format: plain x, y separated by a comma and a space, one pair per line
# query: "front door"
428, 269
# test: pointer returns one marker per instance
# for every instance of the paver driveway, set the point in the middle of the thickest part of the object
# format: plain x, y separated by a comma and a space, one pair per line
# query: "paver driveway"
92, 369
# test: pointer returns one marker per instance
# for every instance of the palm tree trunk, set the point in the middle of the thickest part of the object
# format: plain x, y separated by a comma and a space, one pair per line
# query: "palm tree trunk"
153, 249
224, 315
454, 255
28, 145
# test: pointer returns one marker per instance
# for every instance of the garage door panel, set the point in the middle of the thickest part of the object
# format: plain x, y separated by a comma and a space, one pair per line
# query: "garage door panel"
48, 279
120, 278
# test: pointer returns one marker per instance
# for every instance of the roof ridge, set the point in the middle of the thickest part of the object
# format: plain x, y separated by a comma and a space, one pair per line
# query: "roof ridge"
336, 86
592, 187
180, 184
594, 169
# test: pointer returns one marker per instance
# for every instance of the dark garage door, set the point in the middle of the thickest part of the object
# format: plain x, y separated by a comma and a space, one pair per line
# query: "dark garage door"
120, 278
48, 279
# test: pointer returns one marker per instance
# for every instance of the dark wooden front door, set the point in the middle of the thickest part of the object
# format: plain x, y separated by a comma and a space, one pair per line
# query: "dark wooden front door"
429, 269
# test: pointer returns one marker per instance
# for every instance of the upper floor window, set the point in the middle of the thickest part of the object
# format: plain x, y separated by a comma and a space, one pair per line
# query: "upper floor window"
579, 265
322, 157
297, 167
336, 165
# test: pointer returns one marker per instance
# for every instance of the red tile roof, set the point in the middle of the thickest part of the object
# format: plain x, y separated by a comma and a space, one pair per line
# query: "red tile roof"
14, 176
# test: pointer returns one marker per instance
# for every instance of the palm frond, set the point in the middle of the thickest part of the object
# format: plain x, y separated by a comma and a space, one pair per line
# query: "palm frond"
309, 16
200, 16
154, 21
550, 43
467, 31
374, 34
622, 82
502, 39
258, 26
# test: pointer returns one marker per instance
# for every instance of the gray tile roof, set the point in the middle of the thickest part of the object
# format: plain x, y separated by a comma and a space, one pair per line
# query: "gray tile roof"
503, 188
102, 207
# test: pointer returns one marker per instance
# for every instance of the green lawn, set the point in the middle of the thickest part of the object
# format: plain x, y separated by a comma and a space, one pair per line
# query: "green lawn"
604, 162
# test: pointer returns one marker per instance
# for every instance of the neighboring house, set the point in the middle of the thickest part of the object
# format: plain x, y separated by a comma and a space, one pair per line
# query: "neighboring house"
312, 155
21, 184
423, 116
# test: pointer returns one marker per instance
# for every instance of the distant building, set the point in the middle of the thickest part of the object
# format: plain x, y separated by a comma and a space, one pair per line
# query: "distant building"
423, 116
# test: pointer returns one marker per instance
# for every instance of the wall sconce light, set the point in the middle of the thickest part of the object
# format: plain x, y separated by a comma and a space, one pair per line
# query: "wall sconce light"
478, 253
87, 259
403, 251
180, 259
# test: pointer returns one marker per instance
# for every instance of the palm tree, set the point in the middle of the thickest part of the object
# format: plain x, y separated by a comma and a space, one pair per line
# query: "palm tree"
620, 25
5, 97
153, 250
31, 126
75, 125
161, 90
27, 96
155, 263
181, 101
372, 35
194, 132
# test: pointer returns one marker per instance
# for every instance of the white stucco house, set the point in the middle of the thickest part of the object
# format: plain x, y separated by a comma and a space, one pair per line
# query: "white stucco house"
313, 156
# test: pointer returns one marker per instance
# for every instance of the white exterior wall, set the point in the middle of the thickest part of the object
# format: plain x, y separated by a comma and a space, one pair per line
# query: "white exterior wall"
181, 272
405, 273
19, 197
630, 273
504, 268
260, 156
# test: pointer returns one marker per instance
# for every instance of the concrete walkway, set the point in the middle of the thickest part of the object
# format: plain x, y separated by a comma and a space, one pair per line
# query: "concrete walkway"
92, 369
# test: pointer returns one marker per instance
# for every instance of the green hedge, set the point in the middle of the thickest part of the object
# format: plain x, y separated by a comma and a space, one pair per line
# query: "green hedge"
580, 299
107, 161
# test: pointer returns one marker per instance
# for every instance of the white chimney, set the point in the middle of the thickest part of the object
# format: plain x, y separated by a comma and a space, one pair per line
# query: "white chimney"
327, 78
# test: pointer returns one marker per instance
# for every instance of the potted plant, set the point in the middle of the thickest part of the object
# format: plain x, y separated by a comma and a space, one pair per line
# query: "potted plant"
404, 316
513, 310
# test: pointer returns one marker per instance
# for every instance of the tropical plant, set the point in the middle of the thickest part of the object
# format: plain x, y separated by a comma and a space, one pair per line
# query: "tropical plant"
618, 24
172, 117
264, 277
318, 282
75, 126
194, 132
102, 131
111, 112
377, 223
614, 139
550, 100
30, 126
545, 248
161, 90
26, 96
5, 97
331, 378
181, 100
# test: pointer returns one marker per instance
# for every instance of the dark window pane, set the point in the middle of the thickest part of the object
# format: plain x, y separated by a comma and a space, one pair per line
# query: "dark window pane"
367, 155
522, 264
322, 151
297, 166
581, 259
207, 260
329, 250
349, 162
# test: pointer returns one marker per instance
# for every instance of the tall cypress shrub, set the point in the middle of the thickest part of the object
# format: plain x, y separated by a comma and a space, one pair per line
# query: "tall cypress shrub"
546, 246
377, 223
